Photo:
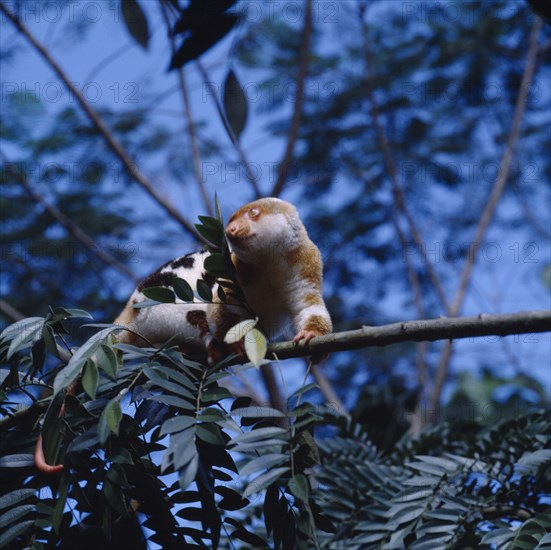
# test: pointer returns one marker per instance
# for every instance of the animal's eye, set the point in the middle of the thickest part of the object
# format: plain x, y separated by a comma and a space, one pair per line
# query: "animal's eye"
254, 212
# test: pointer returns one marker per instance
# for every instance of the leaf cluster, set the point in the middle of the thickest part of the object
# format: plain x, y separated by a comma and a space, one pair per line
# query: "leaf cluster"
152, 442
148, 439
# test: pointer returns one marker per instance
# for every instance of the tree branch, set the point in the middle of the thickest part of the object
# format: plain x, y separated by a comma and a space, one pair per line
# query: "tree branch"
21, 415
397, 191
101, 127
195, 152
237, 145
491, 205
419, 331
285, 164
10, 312
499, 185
65, 221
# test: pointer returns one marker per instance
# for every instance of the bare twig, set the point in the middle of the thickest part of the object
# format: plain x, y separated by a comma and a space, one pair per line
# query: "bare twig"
420, 331
285, 164
10, 312
272, 387
489, 210
397, 191
195, 152
400, 204
102, 128
327, 390
73, 229
21, 415
421, 347
499, 185
237, 145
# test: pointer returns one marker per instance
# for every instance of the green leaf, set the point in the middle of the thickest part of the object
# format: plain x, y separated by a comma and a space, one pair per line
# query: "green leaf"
406, 514
90, 378
19, 495
87, 440
136, 22
215, 264
61, 501
114, 495
107, 360
218, 209
173, 401
145, 304
235, 104
231, 500
49, 340
303, 390
187, 474
173, 387
22, 334
257, 412
184, 448
109, 420
262, 463
79, 313
15, 514
498, 537
182, 289
259, 435
298, 485
204, 291
271, 500
16, 461
212, 223
262, 481
530, 462
14, 532
210, 433
177, 424
160, 294
212, 235
211, 414
85, 352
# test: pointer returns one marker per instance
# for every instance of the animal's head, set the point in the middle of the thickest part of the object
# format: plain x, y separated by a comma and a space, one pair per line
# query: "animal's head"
263, 229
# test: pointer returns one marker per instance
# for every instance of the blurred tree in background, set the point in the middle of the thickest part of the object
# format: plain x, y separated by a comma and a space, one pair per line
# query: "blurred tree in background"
413, 138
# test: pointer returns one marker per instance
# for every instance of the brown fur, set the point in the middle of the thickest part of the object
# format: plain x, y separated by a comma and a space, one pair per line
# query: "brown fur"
198, 319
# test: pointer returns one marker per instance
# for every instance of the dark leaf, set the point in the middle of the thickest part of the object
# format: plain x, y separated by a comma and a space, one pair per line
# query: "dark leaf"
19, 495
38, 354
182, 289
235, 104
136, 22
107, 360
16, 461
109, 420
215, 264
204, 290
187, 474
210, 433
159, 294
213, 235
201, 36
271, 500
231, 500
90, 378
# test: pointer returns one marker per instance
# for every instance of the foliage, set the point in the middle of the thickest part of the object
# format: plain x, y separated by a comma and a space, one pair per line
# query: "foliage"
155, 450
154, 446
450, 487
123, 413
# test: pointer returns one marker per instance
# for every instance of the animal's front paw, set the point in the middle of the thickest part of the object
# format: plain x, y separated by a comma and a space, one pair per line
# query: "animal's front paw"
305, 335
